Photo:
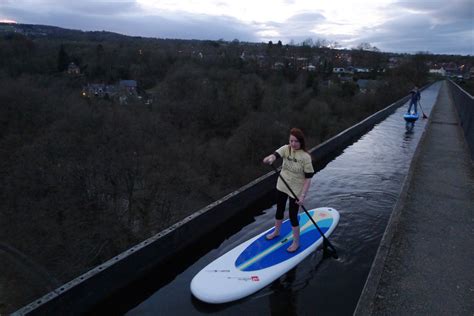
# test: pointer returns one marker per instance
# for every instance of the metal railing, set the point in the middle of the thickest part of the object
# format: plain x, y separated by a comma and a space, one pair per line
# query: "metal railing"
464, 103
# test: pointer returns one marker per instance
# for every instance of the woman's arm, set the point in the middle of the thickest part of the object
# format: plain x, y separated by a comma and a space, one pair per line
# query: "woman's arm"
306, 184
269, 159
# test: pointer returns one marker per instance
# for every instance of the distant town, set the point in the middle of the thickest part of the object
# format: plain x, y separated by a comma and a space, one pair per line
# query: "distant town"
361, 66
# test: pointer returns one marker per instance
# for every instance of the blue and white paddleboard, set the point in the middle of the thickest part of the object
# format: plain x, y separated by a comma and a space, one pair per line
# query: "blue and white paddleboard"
411, 117
258, 262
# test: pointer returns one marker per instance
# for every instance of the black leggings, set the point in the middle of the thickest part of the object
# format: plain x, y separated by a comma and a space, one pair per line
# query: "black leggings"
293, 208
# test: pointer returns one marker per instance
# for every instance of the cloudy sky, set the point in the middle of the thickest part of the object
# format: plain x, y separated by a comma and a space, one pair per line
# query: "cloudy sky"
436, 26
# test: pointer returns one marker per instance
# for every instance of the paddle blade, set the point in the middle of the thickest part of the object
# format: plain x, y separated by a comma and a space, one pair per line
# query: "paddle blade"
329, 250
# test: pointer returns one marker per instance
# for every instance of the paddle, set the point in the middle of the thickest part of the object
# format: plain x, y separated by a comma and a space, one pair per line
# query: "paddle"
327, 252
424, 115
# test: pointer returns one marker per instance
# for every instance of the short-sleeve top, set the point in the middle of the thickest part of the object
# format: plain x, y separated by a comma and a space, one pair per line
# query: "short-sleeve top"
295, 169
415, 95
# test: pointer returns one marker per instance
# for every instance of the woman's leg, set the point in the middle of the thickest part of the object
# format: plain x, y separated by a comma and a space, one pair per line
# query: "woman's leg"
295, 225
280, 212
409, 108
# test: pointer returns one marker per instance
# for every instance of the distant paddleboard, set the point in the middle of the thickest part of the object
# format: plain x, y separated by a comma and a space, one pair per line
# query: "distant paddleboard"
258, 262
411, 117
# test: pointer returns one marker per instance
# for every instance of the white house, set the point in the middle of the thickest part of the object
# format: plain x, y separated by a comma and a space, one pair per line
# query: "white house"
438, 70
311, 67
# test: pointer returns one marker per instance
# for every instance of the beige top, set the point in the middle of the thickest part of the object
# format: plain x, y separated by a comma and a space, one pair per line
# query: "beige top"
295, 164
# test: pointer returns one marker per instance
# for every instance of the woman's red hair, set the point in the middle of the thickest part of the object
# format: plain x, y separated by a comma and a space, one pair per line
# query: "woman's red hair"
300, 136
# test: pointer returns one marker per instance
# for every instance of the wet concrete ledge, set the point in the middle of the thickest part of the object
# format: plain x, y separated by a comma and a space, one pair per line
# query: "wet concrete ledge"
86, 291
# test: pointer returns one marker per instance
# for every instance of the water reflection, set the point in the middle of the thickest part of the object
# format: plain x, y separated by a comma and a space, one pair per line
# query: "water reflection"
282, 301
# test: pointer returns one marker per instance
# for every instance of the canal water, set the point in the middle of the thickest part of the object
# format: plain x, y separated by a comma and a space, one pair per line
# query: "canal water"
363, 183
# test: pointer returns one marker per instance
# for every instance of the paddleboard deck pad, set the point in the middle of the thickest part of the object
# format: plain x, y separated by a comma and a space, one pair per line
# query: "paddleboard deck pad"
258, 262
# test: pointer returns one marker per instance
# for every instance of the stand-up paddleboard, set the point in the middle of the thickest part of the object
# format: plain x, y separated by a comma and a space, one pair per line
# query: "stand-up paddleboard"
411, 117
258, 262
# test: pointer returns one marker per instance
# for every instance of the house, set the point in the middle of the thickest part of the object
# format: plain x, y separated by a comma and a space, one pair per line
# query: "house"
128, 86
361, 70
338, 70
438, 70
311, 67
451, 69
393, 62
278, 65
94, 89
99, 90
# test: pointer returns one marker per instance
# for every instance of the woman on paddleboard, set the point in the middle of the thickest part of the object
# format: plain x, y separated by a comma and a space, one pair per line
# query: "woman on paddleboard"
415, 97
297, 170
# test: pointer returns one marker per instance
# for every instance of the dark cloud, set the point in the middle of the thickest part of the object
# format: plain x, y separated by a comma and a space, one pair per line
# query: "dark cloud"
187, 26
126, 17
418, 6
435, 26
89, 7
447, 11
67, 7
424, 29
441, 27
297, 28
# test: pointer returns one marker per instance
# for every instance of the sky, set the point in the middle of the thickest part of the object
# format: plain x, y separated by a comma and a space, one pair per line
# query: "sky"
399, 26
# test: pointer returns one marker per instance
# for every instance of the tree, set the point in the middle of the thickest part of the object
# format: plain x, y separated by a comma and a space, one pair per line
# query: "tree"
367, 47
63, 59
308, 42
414, 71
321, 43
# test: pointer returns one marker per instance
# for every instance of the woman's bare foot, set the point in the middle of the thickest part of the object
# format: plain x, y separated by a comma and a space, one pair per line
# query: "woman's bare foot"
272, 235
293, 247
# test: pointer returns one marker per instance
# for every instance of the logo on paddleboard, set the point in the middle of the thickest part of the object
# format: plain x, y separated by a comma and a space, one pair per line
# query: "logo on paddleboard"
217, 270
253, 278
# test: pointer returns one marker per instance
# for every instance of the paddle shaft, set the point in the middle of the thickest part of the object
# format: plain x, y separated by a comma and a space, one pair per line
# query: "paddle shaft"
302, 206
424, 115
